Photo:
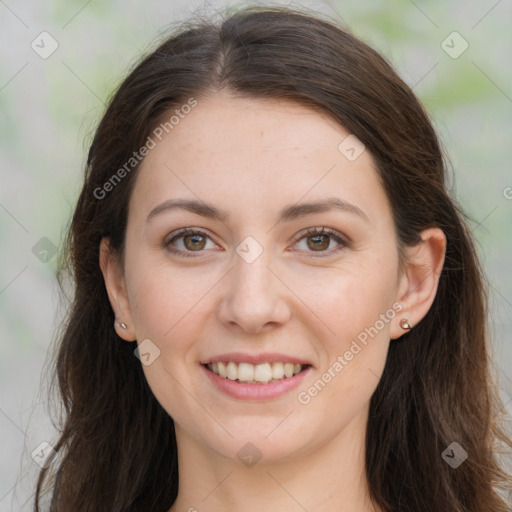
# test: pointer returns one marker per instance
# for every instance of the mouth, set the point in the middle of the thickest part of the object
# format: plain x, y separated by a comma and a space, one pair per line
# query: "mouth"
255, 377
263, 373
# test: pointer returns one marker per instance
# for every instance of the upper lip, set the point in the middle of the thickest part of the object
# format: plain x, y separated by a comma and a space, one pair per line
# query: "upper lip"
241, 357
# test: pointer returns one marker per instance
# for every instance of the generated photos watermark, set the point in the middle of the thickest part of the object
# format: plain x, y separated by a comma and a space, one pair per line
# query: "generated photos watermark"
151, 142
342, 360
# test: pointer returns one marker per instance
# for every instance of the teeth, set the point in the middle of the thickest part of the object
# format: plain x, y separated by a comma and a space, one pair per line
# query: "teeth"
263, 373
260, 373
245, 372
222, 369
232, 371
277, 371
288, 369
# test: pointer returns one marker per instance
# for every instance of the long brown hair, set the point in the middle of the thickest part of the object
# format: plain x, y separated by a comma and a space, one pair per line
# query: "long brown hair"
117, 447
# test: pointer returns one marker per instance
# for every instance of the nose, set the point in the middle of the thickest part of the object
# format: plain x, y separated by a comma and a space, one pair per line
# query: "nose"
254, 298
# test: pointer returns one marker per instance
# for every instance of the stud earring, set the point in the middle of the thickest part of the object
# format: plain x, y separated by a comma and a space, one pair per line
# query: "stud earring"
404, 324
122, 324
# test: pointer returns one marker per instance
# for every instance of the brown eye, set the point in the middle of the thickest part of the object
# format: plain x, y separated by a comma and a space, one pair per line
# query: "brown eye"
322, 241
318, 242
194, 242
186, 242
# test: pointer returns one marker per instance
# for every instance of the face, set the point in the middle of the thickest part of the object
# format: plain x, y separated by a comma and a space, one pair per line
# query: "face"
269, 285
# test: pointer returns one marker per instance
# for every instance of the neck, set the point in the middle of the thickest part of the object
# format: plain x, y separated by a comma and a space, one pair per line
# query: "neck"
329, 477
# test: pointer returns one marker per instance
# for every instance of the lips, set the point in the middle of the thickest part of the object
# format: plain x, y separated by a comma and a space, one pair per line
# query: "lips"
255, 376
253, 390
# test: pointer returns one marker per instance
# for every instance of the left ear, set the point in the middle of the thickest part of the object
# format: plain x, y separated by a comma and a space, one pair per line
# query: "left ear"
420, 278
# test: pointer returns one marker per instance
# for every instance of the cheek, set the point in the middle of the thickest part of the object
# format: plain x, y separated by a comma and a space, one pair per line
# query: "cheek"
155, 306
166, 314
358, 308
354, 300
355, 355
162, 298
170, 307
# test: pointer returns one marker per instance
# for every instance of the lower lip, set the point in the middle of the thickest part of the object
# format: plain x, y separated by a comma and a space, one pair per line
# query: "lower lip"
255, 392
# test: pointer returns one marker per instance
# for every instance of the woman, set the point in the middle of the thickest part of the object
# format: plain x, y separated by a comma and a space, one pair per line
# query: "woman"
278, 304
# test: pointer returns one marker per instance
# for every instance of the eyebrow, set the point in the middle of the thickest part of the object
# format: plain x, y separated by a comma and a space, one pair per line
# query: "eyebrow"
288, 213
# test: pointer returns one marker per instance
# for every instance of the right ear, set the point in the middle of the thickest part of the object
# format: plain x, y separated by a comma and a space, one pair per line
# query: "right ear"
116, 289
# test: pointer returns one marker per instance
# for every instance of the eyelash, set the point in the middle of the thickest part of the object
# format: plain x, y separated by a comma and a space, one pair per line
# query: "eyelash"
343, 243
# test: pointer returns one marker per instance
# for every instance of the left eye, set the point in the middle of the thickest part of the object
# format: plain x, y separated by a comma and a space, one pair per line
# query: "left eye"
319, 240
188, 241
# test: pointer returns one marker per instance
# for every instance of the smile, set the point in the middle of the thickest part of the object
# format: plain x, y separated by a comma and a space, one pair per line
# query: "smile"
263, 373
265, 378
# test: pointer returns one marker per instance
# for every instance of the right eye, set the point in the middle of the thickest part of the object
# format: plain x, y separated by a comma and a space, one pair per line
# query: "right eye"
188, 241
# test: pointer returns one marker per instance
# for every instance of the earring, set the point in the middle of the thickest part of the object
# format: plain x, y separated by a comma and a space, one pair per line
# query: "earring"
404, 324
122, 324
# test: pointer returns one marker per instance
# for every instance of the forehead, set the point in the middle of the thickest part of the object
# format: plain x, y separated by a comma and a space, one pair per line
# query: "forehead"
231, 126
254, 154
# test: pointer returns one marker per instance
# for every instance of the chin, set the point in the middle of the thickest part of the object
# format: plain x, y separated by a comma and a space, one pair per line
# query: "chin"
265, 439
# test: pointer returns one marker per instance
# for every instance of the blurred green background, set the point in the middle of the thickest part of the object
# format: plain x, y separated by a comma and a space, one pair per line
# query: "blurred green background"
51, 102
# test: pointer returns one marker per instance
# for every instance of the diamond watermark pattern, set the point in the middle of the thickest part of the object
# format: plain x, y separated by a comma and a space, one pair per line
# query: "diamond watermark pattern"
147, 352
249, 249
43, 454
455, 455
454, 45
351, 147
44, 45
44, 250
249, 454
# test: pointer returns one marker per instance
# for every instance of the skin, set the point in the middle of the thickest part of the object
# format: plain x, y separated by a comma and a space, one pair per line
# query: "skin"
252, 158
